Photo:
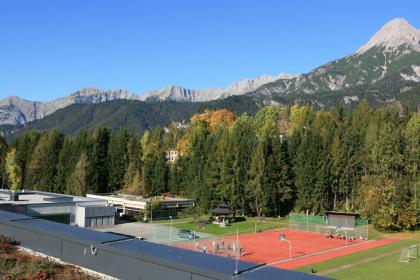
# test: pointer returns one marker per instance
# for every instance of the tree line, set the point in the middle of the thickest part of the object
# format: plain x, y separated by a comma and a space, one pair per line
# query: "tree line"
283, 159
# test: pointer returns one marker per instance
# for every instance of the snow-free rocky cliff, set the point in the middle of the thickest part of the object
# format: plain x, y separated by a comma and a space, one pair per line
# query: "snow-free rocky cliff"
18, 111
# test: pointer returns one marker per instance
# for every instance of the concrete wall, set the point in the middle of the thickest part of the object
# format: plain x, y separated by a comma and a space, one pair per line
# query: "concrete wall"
92, 216
104, 261
126, 258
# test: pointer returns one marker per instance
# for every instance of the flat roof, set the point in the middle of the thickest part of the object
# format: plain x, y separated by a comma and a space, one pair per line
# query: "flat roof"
340, 213
214, 266
70, 231
138, 198
37, 197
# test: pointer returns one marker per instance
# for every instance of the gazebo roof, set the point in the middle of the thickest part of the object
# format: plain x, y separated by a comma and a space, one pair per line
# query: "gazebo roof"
223, 205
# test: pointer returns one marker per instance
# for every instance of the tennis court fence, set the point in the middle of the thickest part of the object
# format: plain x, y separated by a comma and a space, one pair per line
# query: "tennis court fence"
320, 224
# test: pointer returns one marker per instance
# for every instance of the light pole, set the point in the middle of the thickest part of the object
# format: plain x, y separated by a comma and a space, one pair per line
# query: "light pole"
307, 220
237, 251
346, 231
151, 218
283, 238
170, 232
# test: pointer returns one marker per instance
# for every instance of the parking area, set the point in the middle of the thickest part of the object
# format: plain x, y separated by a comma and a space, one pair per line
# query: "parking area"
158, 233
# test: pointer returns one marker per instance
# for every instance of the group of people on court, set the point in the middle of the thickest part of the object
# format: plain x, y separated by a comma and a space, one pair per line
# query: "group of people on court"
219, 247
342, 236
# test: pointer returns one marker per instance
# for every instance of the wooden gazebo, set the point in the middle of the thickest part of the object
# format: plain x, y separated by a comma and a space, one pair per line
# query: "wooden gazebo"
223, 209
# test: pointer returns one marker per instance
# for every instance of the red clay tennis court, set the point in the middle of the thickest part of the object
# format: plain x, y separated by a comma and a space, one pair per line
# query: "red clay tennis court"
307, 247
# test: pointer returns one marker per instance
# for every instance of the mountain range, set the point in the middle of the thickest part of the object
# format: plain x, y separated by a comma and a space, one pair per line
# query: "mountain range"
17, 111
384, 70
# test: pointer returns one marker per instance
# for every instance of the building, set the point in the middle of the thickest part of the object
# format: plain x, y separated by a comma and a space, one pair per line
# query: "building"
67, 209
341, 219
163, 206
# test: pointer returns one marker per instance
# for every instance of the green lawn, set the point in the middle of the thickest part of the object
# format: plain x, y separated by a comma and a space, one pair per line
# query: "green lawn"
387, 267
243, 227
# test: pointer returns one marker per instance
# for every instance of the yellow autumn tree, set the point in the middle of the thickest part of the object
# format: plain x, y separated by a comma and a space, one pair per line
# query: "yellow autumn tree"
300, 117
13, 170
216, 119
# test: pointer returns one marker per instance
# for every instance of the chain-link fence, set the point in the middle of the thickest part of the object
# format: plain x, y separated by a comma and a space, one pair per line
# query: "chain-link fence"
320, 224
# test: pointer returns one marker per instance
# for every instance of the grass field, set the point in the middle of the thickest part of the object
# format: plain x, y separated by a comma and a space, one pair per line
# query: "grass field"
378, 263
385, 268
247, 226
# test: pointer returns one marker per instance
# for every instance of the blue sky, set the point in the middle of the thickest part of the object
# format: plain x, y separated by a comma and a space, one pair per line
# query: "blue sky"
49, 49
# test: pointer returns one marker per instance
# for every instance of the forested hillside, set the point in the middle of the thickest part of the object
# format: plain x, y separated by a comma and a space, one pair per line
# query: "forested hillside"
281, 159
135, 116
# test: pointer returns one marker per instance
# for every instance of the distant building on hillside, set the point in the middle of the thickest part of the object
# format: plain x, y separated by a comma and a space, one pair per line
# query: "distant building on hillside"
172, 155
73, 210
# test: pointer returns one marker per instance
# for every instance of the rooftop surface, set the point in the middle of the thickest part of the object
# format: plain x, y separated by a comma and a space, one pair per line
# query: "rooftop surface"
37, 197
219, 267
130, 197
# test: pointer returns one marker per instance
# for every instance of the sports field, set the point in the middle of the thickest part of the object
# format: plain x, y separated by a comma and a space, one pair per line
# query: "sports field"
313, 252
378, 263
265, 247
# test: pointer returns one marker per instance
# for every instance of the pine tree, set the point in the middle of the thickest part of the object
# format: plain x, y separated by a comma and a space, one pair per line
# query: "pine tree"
244, 140
24, 146
36, 164
98, 171
3, 153
159, 181
77, 182
385, 152
68, 157
117, 159
285, 186
197, 159
305, 167
412, 158
42, 167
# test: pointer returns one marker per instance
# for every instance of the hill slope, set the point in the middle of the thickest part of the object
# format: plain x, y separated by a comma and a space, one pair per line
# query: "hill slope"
136, 116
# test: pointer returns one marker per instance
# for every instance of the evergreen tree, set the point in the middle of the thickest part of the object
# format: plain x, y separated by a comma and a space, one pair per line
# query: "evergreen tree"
35, 166
159, 181
255, 186
285, 186
98, 167
305, 168
177, 180
3, 153
386, 155
197, 159
117, 159
42, 167
77, 183
412, 158
244, 140
68, 157
24, 146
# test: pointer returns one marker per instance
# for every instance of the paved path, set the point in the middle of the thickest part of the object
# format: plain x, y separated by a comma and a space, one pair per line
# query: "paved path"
157, 233
350, 265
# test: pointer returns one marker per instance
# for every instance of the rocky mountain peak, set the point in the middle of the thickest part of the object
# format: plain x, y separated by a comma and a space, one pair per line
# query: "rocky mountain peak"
394, 34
